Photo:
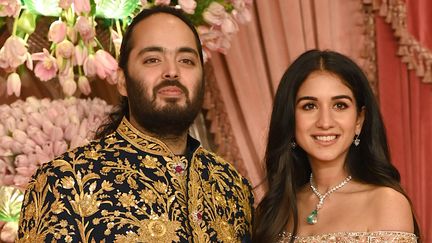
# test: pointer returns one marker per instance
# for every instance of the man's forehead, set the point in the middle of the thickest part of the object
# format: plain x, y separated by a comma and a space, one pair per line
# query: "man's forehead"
163, 31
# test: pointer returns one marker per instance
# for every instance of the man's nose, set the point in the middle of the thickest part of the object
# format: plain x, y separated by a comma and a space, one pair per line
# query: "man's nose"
171, 70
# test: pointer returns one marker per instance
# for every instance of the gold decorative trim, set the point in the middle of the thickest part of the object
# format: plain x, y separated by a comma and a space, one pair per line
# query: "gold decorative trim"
416, 56
140, 140
368, 53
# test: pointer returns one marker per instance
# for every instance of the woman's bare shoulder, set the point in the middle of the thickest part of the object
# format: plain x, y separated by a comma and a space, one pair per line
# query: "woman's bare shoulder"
391, 210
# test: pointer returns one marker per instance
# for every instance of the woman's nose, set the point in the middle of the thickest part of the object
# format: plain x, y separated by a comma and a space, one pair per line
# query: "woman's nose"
325, 119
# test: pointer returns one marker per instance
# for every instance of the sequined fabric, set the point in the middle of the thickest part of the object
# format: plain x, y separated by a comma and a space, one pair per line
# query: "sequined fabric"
129, 187
354, 237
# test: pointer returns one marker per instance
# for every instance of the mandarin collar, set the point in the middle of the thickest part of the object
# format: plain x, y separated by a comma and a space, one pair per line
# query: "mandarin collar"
151, 144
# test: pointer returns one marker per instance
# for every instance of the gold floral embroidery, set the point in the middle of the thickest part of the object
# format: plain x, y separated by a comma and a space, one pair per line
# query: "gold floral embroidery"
131, 188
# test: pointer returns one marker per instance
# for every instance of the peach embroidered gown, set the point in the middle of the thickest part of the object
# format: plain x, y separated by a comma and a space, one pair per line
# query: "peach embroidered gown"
353, 237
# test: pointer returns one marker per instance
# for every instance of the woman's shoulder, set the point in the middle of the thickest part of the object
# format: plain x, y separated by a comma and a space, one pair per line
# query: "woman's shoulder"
391, 210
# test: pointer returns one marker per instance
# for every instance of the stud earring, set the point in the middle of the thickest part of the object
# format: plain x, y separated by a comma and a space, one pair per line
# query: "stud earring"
293, 145
356, 140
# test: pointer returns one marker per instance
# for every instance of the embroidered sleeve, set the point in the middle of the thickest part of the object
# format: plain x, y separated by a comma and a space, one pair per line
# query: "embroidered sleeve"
44, 217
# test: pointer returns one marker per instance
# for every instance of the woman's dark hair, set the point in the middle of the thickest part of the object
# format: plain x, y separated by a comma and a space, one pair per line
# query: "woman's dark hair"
114, 118
287, 169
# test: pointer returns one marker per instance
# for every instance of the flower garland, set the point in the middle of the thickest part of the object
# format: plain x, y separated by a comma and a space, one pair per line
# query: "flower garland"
76, 56
35, 131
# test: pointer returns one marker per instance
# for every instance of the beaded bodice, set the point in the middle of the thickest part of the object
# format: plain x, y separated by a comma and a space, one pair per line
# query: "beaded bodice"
357, 237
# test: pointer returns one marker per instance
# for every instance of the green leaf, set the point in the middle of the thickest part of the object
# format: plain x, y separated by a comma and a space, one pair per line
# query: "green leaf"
10, 203
115, 9
43, 7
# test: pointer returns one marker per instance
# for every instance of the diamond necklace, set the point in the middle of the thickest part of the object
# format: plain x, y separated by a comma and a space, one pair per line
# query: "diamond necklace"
312, 218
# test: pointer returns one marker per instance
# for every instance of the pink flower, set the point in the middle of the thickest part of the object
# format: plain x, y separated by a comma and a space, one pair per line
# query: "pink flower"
10, 8
70, 131
29, 62
9, 232
80, 55
229, 25
106, 64
112, 78
71, 32
13, 53
214, 40
46, 68
84, 85
81, 6
59, 147
162, 2
14, 84
65, 4
90, 65
65, 49
215, 14
117, 40
19, 136
57, 31
188, 6
85, 28
69, 87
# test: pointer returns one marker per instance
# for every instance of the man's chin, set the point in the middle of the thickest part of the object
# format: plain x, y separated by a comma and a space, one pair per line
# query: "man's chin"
171, 104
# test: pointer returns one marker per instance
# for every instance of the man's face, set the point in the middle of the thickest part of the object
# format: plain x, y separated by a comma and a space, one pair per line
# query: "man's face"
164, 81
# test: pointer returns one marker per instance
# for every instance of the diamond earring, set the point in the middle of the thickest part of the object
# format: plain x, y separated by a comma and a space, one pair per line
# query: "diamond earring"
293, 145
356, 140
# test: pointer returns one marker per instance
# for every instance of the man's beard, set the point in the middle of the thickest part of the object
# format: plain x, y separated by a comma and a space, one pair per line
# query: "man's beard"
169, 120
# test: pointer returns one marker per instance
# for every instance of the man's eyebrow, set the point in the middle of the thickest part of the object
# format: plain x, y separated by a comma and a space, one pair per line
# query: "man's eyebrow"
189, 50
160, 49
150, 49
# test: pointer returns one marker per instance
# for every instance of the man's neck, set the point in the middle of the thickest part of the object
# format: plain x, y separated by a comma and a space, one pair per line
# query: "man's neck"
176, 143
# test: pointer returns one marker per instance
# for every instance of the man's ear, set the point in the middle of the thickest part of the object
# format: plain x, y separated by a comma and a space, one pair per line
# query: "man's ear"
121, 82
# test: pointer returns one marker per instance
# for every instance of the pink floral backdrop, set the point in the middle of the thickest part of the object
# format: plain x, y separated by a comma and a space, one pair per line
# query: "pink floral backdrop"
57, 58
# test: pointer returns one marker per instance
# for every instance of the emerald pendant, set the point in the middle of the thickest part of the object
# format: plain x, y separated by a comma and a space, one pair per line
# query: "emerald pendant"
313, 217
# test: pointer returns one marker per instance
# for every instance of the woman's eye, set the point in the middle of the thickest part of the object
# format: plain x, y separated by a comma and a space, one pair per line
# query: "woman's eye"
340, 106
308, 106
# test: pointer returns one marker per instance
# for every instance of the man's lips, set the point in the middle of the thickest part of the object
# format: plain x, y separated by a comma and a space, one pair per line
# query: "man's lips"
171, 91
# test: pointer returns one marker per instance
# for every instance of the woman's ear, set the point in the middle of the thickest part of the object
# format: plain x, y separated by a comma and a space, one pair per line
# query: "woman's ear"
360, 120
121, 82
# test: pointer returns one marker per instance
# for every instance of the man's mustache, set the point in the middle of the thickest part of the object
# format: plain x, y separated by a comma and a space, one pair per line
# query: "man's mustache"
168, 82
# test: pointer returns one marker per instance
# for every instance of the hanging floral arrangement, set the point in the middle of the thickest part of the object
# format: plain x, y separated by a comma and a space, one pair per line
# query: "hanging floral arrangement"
76, 55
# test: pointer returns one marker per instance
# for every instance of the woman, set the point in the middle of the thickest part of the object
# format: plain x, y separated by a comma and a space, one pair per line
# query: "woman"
329, 173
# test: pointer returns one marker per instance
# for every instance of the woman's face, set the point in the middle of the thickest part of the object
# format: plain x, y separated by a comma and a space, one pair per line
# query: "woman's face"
326, 118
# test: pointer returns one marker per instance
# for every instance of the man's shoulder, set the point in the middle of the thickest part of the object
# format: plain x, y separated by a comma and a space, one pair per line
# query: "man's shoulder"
212, 159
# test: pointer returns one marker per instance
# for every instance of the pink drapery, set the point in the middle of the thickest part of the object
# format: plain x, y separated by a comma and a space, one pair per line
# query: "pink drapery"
405, 98
249, 74
279, 32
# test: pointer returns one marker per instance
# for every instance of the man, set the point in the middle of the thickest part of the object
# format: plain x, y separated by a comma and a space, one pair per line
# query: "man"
144, 179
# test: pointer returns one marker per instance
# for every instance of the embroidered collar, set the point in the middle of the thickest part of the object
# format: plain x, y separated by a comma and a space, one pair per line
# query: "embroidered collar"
150, 144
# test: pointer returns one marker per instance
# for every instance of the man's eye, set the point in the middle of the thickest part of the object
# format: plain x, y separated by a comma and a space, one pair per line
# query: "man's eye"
187, 61
151, 60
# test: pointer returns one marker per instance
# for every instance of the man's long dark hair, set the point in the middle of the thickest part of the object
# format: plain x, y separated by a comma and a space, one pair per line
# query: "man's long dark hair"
287, 169
122, 110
